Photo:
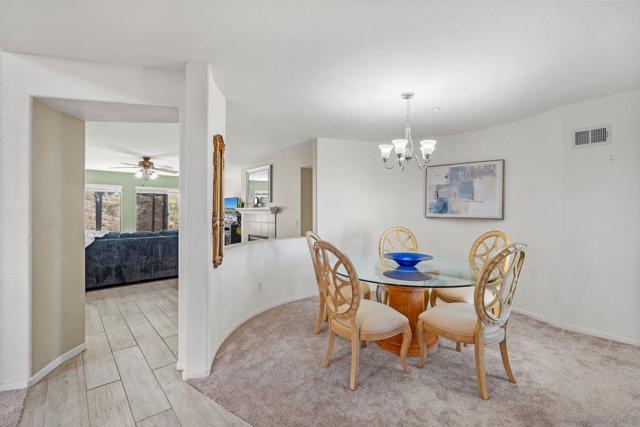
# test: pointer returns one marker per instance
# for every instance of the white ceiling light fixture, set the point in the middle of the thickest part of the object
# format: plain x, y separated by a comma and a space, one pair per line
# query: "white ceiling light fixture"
404, 148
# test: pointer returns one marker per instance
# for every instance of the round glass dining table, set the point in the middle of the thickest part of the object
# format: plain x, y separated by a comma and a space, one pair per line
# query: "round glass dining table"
408, 289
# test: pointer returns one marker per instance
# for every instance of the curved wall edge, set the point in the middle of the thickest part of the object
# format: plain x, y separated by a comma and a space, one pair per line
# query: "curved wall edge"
254, 278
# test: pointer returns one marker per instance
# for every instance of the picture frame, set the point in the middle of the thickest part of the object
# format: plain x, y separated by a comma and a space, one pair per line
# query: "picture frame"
465, 190
217, 213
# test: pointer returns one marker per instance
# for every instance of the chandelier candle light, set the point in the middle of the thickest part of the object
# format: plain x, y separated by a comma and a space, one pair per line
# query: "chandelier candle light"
404, 148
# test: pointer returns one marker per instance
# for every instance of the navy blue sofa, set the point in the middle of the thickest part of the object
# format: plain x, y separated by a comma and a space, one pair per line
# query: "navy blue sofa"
120, 258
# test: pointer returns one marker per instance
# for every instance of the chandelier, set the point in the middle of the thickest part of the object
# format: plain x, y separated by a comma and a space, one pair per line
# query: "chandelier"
404, 148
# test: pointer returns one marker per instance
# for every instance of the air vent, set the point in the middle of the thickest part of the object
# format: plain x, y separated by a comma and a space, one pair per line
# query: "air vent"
592, 136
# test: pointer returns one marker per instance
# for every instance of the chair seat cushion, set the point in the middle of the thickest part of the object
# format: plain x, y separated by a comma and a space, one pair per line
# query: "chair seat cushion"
377, 318
461, 294
459, 318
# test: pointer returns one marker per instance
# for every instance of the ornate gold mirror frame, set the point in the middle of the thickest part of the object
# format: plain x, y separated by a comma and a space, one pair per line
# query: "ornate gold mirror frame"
217, 216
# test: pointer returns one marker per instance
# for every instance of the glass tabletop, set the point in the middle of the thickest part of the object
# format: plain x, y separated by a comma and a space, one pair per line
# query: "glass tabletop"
438, 272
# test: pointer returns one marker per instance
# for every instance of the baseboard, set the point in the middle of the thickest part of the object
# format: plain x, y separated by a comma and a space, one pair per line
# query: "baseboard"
192, 375
57, 362
577, 329
17, 385
258, 312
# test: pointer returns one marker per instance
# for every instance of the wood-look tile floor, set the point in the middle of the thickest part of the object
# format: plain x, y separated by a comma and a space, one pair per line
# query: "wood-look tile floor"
127, 376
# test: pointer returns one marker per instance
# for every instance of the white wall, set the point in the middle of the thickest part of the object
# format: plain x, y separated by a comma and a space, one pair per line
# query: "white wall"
57, 277
233, 185
286, 184
577, 209
195, 230
283, 266
21, 78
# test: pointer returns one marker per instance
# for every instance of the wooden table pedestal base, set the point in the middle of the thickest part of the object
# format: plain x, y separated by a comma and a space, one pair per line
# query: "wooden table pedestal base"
411, 302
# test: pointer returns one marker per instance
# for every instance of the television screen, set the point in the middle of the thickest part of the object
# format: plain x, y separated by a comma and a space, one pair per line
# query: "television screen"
231, 202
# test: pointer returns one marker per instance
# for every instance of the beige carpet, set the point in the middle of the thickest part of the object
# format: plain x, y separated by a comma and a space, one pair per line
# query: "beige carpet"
11, 403
269, 373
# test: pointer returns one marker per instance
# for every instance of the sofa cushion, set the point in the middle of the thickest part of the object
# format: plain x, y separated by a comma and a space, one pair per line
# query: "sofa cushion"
137, 234
122, 258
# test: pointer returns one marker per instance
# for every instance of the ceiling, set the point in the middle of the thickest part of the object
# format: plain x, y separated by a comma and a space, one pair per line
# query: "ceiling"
110, 144
118, 133
294, 70
113, 111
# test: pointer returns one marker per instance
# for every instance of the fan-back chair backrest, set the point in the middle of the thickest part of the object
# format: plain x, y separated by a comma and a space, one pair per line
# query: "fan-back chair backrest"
485, 248
312, 238
497, 283
397, 239
341, 292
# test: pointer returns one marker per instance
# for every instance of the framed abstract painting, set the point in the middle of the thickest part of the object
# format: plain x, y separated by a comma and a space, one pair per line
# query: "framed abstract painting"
466, 190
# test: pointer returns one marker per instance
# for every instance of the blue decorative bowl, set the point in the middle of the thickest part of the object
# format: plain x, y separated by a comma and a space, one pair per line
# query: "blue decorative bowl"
407, 259
410, 274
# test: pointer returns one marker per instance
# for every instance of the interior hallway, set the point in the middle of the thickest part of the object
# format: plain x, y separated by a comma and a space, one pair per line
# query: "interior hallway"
127, 376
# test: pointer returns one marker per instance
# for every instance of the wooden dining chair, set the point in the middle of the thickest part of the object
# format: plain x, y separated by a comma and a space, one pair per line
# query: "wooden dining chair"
365, 291
397, 239
351, 317
483, 249
484, 322
394, 239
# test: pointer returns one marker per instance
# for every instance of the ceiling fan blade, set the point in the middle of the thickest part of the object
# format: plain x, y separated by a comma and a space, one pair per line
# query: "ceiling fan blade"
126, 150
165, 170
124, 167
129, 164
164, 166
170, 155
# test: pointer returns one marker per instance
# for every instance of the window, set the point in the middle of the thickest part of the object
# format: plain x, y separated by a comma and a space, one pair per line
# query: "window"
102, 207
157, 209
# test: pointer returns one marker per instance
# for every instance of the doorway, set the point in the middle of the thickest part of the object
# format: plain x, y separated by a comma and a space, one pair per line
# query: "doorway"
306, 200
86, 176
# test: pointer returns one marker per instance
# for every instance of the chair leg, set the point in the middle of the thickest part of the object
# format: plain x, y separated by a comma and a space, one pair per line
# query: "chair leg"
321, 316
404, 350
457, 346
482, 379
433, 297
421, 343
505, 361
355, 358
327, 353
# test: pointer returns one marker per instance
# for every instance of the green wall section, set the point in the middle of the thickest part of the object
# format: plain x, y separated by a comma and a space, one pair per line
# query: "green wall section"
129, 184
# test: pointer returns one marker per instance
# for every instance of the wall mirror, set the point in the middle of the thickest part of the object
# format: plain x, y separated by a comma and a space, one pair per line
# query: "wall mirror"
259, 186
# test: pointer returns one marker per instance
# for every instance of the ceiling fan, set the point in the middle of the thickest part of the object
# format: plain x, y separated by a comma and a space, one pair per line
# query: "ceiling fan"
146, 169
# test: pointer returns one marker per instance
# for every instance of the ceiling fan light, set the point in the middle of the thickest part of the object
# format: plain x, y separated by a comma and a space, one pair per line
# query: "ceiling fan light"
138, 174
153, 175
